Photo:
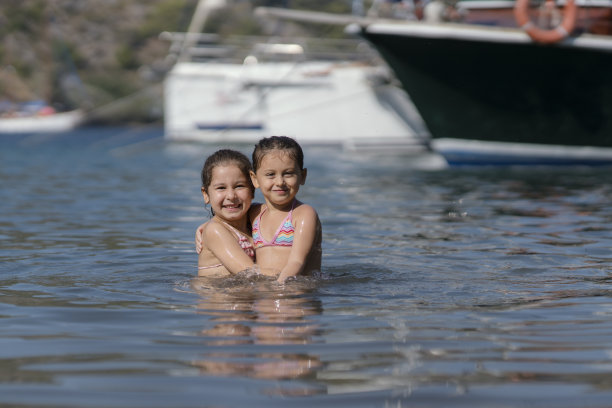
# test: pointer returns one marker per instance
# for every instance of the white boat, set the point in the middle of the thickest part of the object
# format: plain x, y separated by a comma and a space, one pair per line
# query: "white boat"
314, 101
51, 123
312, 91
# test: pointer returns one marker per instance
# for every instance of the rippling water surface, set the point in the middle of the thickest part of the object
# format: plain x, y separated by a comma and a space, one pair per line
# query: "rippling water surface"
440, 287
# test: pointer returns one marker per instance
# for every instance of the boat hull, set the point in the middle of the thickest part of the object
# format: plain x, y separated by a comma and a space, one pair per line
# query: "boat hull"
54, 123
481, 83
462, 152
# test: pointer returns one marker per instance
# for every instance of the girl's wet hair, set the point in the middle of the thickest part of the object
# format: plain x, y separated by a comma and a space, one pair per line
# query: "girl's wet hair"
287, 144
225, 157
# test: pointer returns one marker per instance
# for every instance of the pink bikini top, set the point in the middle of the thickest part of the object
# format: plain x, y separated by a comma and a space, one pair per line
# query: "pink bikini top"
244, 243
283, 236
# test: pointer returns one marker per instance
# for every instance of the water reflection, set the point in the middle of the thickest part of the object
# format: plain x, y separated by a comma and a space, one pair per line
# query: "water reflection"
277, 324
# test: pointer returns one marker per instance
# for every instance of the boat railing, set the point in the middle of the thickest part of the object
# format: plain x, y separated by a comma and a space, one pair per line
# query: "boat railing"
234, 49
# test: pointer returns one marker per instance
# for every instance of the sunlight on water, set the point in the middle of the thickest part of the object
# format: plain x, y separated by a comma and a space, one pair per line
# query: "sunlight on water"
440, 287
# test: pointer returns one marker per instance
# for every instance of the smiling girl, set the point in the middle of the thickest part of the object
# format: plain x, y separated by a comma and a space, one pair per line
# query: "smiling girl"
286, 232
227, 247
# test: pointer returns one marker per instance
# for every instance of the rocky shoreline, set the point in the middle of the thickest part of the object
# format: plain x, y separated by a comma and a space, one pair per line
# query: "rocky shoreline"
105, 57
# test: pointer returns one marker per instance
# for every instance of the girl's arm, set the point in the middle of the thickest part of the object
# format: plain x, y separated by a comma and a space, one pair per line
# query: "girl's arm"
306, 228
222, 243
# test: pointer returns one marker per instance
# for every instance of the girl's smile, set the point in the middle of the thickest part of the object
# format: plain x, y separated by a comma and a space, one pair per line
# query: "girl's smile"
232, 207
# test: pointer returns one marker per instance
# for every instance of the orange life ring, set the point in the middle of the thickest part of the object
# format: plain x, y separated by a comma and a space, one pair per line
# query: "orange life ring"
546, 36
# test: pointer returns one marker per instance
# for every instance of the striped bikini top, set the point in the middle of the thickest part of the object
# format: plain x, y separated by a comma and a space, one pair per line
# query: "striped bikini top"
244, 243
283, 236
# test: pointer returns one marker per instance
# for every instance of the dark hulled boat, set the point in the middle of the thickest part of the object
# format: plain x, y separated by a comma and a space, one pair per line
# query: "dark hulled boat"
491, 85
510, 97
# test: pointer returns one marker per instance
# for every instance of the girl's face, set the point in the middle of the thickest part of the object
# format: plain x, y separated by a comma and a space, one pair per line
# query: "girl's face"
229, 193
279, 178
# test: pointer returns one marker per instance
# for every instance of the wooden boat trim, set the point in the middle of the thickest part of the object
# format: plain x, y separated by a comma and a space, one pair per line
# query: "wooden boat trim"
480, 33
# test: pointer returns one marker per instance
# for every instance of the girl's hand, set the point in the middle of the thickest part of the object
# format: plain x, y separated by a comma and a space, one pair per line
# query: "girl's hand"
198, 239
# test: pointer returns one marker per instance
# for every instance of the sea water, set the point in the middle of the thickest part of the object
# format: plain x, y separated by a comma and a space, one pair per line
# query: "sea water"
470, 287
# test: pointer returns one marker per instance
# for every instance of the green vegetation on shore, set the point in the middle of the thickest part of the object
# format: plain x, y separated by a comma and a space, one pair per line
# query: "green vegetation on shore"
90, 54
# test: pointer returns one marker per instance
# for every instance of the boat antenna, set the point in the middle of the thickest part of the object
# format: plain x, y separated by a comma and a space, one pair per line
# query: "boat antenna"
202, 11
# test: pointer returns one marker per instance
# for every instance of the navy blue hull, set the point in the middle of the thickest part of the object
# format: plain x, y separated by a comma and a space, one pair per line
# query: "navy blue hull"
503, 91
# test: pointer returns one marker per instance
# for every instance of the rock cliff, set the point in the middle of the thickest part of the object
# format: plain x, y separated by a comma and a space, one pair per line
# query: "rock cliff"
90, 54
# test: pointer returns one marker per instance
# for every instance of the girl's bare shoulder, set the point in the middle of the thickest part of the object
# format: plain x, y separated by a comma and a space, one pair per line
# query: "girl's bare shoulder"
305, 211
213, 229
